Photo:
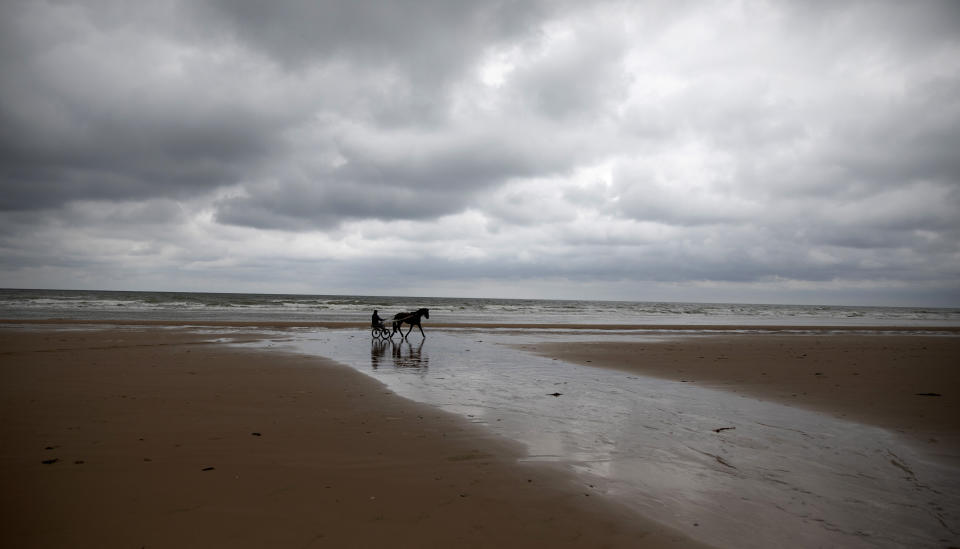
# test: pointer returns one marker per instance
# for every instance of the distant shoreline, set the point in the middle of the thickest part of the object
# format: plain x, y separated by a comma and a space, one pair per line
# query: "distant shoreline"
274, 324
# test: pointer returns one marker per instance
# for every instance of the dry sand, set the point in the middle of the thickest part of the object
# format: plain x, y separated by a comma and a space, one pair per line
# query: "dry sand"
151, 437
908, 383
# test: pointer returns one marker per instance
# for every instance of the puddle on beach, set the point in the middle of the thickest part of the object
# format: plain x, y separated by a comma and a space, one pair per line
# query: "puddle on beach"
729, 470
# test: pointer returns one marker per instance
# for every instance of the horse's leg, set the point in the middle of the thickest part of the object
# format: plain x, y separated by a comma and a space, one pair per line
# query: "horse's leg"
408, 331
421, 329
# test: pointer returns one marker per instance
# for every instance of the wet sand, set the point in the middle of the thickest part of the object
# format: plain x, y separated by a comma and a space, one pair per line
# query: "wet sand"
145, 437
907, 383
724, 467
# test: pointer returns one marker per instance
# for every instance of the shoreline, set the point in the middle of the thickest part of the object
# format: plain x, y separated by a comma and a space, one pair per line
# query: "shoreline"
273, 324
145, 437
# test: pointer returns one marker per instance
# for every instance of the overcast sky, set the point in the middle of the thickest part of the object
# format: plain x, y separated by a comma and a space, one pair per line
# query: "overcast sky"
803, 152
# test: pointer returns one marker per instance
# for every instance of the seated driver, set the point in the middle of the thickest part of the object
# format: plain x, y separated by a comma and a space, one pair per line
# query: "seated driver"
376, 321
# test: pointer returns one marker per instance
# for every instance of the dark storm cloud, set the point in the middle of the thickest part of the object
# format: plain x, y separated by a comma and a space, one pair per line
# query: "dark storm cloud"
84, 121
325, 205
103, 160
85, 118
427, 38
398, 176
416, 49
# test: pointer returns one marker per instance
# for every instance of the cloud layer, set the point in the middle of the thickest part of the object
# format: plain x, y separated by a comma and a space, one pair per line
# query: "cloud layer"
756, 151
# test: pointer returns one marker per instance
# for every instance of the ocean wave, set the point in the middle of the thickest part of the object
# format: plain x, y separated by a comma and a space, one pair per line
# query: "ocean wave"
292, 307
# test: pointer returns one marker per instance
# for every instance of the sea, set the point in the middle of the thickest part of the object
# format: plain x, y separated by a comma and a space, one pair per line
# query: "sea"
27, 304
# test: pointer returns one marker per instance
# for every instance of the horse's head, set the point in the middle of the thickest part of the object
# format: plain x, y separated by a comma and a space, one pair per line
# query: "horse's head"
426, 313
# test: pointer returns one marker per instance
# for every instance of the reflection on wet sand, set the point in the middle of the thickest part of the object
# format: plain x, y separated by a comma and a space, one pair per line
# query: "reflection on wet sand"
403, 354
730, 470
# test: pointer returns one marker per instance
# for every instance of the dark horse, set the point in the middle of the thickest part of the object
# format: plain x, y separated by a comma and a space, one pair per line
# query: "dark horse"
413, 319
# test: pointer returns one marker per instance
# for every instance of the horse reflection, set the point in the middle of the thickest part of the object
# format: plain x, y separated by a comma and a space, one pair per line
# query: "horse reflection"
405, 355
402, 355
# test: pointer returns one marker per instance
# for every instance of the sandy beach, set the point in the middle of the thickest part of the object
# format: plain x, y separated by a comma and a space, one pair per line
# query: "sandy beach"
155, 437
162, 436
